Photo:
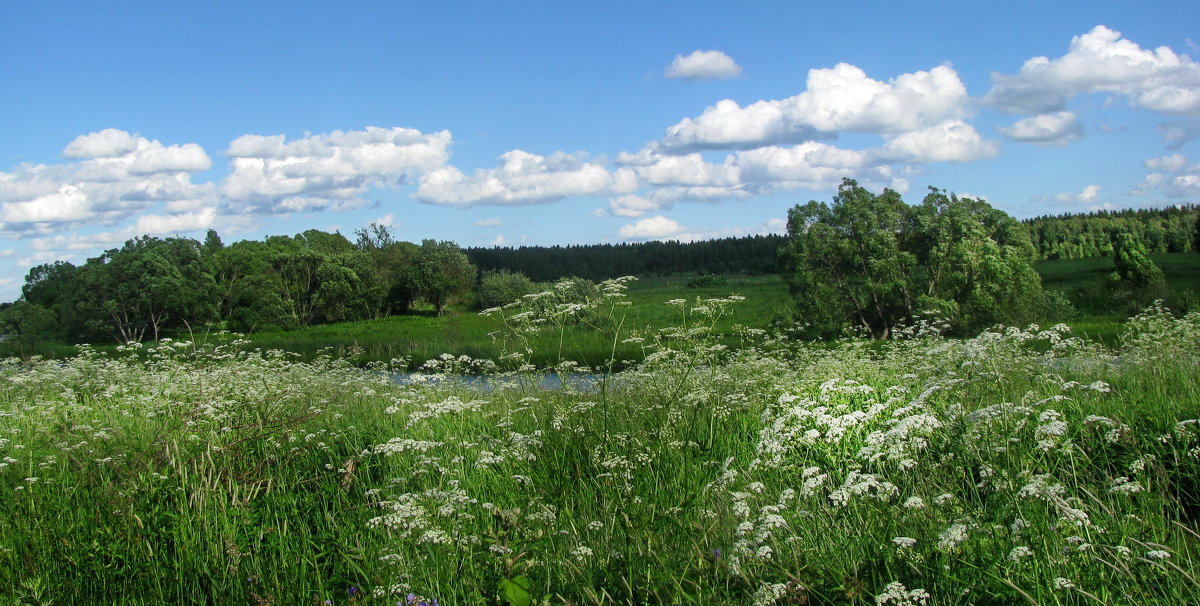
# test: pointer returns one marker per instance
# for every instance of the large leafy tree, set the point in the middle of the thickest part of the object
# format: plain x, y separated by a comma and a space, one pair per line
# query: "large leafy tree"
393, 288
978, 262
1134, 269
443, 274
872, 261
55, 286
319, 277
846, 264
147, 285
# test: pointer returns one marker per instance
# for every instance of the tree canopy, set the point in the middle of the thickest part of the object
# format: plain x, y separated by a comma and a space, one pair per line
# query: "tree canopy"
874, 262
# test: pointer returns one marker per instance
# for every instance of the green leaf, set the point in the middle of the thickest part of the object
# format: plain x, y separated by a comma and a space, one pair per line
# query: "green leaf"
516, 590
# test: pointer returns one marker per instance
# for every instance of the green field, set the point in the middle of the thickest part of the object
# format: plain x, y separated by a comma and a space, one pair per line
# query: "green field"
1100, 312
463, 332
1015, 467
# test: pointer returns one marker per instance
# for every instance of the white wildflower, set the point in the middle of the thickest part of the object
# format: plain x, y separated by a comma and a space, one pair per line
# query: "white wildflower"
952, 537
1019, 553
898, 595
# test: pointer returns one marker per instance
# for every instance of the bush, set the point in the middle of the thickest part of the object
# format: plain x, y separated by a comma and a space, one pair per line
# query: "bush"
501, 287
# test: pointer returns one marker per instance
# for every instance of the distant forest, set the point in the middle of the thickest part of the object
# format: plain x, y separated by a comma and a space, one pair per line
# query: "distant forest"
1066, 236
1077, 236
751, 254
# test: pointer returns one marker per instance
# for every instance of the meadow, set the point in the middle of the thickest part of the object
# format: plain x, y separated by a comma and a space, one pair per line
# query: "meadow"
1099, 315
1024, 465
423, 336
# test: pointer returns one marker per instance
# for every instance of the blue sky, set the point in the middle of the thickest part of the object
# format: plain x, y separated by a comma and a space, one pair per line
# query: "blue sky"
562, 123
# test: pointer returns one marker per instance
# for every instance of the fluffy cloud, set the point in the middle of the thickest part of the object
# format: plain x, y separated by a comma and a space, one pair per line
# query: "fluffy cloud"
650, 228
1088, 195
1058, 128
1171, 163
1173, 177
704, 65
108, 143
270, 174
811, 165
662, 198
838, 99
771, 226
115, 175
666, 180
1101, 62
688, 170
524, 178
950, 141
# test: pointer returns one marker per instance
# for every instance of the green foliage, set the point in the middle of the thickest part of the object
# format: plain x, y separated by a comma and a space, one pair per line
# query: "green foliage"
501, 287
708, 280
846, 264
149, 284
515, 591
26, 325
1134, 269
1196, 234
977, 263
751, 255
872, 262
1081, 236
443, 274
1137, 280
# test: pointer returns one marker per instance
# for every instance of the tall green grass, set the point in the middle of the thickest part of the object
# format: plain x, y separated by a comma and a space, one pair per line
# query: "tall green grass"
1022, 466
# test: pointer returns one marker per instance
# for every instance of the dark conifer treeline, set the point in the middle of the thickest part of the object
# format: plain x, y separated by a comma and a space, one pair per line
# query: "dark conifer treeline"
1079, 236
751, 254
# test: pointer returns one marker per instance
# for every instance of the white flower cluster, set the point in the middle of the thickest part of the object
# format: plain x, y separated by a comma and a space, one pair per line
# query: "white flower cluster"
896, 594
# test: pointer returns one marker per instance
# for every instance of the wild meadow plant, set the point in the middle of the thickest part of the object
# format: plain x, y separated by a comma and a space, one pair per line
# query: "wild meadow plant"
1024, 465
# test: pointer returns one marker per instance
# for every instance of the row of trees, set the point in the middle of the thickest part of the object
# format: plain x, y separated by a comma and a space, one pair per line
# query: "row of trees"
1168, 230
865, 260
152, 285
750, 254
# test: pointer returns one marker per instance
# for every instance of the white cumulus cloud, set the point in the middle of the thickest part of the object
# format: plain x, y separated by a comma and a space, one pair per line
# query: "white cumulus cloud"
1173, 176
1171, 163
1058, 128
686, 170
704, 65
1087, 195
950, 141
270, 174
114, 176
812, 165
650, 228
1100, 61
837, 99
524, 178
